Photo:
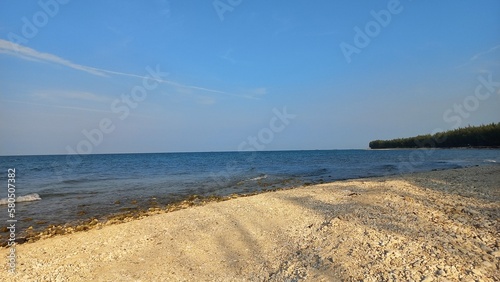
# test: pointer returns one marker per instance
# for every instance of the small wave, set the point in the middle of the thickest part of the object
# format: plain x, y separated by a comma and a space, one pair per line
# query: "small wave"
263, 176
258, 178
490, 161
26, 198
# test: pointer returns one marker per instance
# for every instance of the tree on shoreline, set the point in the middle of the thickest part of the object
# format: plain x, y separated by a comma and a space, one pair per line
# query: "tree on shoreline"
487, 135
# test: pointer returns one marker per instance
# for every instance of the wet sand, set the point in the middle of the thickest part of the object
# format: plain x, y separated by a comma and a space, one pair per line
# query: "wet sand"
441, 225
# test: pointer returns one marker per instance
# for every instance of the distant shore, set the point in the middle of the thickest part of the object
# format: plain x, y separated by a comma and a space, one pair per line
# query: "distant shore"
422, 226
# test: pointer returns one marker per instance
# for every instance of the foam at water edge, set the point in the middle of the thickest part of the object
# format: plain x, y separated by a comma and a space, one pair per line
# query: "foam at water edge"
258, 178
26, 198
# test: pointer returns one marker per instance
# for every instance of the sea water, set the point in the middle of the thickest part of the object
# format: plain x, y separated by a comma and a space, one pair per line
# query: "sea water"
61, 189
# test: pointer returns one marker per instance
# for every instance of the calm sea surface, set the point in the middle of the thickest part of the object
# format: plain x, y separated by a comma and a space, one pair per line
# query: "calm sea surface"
65, 189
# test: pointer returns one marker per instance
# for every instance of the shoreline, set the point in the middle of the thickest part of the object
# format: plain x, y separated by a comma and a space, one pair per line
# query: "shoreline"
80, 197
131, 215
426, 225
30, 235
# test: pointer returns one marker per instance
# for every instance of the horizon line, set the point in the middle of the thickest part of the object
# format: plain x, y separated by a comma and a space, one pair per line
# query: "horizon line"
181, 152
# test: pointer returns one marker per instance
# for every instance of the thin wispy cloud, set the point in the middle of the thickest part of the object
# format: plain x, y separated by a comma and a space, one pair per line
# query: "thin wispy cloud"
26, 53
16, 50
254, 93
73, 95
260, 91
67, 107
173, 83
475, 57
57, 106
228, 57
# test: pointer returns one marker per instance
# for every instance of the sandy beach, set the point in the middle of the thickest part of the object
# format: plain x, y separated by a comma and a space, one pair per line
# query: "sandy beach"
433, 226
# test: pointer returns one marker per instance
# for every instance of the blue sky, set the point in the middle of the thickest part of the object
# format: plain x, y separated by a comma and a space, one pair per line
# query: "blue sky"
224, 68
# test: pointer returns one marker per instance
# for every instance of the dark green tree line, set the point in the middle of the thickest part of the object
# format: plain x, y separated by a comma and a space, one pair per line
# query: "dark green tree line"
471, 136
